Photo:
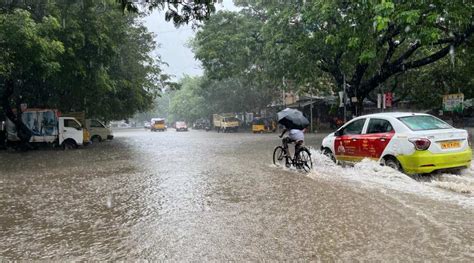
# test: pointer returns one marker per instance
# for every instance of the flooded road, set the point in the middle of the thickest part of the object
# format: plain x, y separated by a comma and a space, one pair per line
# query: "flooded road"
199, 196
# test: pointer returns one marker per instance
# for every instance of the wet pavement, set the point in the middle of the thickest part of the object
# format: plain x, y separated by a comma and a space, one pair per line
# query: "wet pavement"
195, 196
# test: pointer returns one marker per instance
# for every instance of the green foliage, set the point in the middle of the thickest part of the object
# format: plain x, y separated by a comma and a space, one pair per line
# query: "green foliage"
177, 11
200, 97
367, 55
28, 46
79, 56
187, 103
230, 46
365, 42
426, 86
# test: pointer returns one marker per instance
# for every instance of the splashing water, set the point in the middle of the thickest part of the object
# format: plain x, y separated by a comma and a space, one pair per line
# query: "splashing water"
109, 202
458, 189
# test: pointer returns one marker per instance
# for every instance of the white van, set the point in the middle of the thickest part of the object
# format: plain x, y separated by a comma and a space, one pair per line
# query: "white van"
98, 131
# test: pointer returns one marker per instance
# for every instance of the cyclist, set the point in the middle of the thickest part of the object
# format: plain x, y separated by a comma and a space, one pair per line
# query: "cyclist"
296, 136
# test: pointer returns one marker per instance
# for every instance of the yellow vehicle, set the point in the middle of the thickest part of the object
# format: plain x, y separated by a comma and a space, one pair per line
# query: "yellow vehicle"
261, 125
225, 122
158, 124
87, 136
258, 125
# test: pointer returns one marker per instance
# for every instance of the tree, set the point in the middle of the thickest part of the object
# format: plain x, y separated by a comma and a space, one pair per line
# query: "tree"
104, 67
29, 55
364, 42
426, 86
180, 12
236, 94
187, 103
83, 55
230, 45
108, 64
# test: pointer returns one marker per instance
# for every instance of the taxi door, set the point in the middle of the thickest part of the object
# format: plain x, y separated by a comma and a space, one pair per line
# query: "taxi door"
348, 143
378, 134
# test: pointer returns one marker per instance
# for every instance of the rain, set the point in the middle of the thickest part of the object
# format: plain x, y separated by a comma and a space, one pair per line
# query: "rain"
236, 131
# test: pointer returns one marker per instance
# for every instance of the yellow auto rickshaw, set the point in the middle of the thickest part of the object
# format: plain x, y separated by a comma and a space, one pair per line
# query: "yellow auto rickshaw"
261, 125
258, 125
158, 125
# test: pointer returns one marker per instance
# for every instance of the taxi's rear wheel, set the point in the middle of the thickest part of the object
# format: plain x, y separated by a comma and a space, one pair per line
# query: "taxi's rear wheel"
393, 163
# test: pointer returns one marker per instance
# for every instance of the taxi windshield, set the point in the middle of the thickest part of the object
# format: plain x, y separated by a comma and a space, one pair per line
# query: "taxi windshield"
423, 123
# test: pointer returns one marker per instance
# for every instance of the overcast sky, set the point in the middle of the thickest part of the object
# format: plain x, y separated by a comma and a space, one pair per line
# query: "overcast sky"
173, 41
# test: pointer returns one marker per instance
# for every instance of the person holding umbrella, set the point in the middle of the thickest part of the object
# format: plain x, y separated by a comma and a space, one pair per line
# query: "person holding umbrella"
296, 136
295, 122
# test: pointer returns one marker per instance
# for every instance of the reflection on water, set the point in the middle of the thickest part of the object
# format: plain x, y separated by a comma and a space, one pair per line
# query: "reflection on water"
208, 196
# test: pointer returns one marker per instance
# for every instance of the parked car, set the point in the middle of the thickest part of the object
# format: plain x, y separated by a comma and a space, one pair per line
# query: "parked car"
201, 124
410, 142
147, 125
124, 125
181, 126
98, 131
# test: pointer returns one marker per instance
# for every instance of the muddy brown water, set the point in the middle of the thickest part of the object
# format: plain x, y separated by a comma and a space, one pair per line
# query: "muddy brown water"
201, 196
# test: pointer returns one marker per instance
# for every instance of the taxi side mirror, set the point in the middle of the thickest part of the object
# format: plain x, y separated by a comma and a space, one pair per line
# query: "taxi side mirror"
339, 132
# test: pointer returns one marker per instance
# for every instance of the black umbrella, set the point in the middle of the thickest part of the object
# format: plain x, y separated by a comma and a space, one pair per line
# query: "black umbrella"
292, 119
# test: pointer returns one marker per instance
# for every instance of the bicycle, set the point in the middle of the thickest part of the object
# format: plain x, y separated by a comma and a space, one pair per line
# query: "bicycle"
301, 160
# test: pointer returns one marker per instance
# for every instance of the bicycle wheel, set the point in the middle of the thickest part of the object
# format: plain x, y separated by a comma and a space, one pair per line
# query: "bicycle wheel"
303, 160
279, 156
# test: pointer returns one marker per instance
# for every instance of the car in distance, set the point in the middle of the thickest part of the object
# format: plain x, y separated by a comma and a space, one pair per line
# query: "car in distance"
147, 125
181, 126
158, 124
414, 143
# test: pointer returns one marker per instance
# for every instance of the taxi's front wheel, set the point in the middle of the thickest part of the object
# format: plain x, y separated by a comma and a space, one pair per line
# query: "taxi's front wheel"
393, 163
329, 154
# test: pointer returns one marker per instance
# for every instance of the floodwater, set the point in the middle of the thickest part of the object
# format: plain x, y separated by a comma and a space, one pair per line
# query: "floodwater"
201, 196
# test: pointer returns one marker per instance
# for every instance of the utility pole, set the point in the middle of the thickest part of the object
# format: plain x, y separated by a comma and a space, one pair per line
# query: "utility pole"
311, 111
344, 97
284, 92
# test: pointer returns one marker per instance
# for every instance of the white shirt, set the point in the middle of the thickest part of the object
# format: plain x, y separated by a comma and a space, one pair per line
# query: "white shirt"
296, 135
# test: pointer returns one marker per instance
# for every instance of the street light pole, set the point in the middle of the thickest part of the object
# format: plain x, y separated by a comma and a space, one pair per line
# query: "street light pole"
311, 110
344, 98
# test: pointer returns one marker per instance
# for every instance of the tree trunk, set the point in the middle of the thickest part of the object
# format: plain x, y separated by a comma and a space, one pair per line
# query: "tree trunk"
23, 133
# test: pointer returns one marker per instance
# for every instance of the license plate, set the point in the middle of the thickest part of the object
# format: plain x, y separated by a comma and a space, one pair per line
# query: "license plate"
450, 144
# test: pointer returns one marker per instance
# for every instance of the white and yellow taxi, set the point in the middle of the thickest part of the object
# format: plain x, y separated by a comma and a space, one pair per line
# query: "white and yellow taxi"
414, 143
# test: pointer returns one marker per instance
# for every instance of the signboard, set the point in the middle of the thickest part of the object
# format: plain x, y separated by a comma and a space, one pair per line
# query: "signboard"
341, 99
388, 99
453, 102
